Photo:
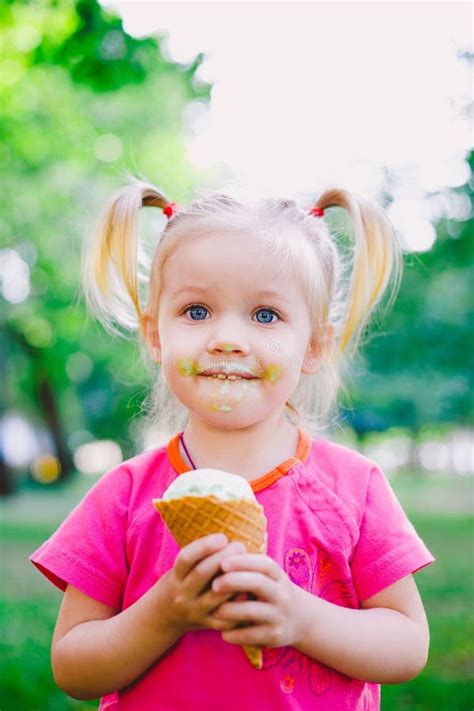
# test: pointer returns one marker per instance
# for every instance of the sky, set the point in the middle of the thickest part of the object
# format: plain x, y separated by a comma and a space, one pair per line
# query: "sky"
311, 95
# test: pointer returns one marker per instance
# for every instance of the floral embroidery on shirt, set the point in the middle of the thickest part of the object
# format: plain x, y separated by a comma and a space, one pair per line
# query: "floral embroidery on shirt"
325, 568
299, 568
317, 574
287, 684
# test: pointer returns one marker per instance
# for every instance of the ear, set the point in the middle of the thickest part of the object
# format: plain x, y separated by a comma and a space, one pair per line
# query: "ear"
151, 337
319, 344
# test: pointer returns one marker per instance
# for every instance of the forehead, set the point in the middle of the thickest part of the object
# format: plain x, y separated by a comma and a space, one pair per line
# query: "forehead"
218, 263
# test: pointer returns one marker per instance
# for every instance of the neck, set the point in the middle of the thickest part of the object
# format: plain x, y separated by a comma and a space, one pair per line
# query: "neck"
250, 451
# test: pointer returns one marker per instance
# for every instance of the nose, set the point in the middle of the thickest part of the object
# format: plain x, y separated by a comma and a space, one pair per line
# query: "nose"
229, 336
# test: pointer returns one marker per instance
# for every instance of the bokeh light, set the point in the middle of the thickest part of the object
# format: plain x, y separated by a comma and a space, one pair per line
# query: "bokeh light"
14, 276
79, 366
46, 469
18, 440
97, 457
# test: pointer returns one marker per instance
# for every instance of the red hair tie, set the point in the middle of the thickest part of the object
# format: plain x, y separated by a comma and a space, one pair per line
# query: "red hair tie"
316, 211
170, 210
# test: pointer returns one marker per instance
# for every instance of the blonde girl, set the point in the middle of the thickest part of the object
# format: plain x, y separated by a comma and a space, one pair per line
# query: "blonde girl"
249, 312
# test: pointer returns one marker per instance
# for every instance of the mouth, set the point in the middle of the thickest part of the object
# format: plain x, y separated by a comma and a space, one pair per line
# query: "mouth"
228, 376
229, 371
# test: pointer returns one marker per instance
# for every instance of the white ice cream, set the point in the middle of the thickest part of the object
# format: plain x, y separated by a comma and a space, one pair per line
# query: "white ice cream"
210, 482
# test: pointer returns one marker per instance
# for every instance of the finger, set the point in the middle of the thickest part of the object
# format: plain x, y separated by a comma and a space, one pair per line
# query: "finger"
200, 578
243, 581
191, 554
215, 623
257, 635
253, 561
212, 601
257, 612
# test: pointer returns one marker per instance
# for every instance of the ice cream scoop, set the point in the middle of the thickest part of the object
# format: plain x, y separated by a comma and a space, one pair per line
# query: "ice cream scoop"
210, 482
206, 501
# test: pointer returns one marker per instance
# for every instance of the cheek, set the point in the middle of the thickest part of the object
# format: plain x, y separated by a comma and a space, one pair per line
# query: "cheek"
273, 373
282, 368
177, 368
288, 383
187, 367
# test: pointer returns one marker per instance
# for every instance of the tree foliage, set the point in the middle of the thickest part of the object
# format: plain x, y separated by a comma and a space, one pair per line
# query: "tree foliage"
417, 369
81, 102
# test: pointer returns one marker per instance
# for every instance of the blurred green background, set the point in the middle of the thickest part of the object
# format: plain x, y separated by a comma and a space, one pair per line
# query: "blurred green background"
81, 103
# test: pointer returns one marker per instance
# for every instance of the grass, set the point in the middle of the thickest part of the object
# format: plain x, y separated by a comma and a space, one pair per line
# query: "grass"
438, 507
446, 588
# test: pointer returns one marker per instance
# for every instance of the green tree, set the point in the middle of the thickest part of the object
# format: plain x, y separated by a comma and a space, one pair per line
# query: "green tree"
81, 102
417, 370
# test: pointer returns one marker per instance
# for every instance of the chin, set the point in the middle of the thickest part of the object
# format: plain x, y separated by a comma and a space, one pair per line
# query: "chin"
238, 419
257, 405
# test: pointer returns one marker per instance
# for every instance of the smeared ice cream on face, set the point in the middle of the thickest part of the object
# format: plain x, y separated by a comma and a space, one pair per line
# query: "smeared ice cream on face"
210, 482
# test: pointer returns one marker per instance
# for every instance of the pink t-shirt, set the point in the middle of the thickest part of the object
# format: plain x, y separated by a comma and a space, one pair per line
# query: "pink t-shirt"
334, 526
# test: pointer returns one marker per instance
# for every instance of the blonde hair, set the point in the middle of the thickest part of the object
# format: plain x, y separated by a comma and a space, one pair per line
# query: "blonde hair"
339, 291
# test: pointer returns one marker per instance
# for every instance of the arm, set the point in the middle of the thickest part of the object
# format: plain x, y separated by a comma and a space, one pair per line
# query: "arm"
384, 642
97, 650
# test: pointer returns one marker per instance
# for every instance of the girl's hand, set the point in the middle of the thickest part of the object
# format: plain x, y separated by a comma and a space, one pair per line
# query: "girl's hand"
191, 599
273, 617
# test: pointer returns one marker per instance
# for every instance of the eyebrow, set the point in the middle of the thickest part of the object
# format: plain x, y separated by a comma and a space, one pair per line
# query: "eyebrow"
203, 290
178, 292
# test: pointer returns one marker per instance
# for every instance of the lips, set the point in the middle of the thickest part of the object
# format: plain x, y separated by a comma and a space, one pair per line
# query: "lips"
229, 370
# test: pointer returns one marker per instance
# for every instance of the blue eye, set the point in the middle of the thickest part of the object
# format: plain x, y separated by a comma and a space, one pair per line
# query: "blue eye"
267, 312
199, 309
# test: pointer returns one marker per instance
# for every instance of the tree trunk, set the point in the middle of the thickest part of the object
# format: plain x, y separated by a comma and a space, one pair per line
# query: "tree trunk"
47, 403
47, 400
7, 482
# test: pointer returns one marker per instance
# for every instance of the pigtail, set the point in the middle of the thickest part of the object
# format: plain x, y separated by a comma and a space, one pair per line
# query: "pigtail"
377, 260
110, 261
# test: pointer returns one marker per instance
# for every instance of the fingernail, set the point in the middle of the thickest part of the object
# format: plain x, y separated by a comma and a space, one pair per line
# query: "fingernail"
237, 547
219, 539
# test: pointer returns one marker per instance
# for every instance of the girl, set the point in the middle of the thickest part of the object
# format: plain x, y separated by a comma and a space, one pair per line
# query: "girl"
249, 311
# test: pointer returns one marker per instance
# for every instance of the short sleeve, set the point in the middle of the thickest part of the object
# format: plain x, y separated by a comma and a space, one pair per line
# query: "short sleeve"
88, 550
389, 547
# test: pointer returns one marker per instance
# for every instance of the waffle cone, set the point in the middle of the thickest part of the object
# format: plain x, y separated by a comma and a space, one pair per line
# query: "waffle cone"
192, 517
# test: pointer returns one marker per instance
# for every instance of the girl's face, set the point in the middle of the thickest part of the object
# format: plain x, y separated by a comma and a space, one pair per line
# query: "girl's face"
226, 308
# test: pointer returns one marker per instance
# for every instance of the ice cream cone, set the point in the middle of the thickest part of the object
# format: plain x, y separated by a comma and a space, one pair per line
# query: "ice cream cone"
241, 519
192, 517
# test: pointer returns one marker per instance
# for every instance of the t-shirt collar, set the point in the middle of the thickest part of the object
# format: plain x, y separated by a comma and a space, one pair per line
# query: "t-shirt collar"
302, 453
